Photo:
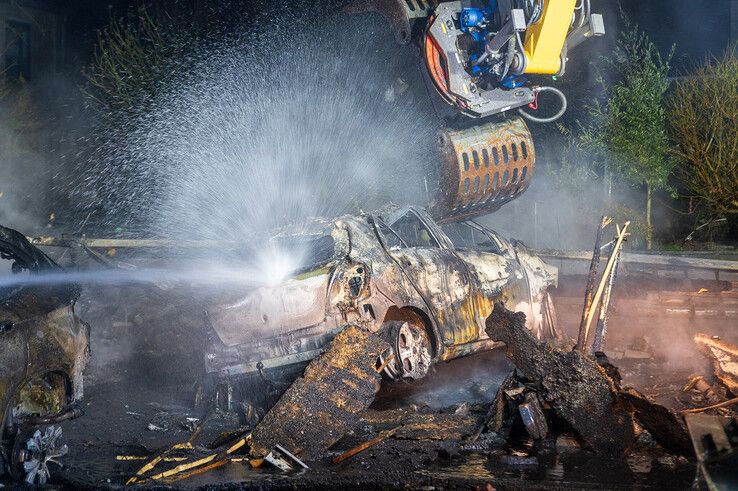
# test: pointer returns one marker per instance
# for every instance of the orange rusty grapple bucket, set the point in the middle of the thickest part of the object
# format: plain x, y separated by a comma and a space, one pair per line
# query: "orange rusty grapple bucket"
483, 168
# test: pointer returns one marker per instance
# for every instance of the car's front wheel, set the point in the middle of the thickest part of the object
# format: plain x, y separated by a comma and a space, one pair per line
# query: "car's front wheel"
411, 351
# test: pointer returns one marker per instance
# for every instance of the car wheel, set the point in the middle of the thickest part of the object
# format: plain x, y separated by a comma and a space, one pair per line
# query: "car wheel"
411, 351
34, 450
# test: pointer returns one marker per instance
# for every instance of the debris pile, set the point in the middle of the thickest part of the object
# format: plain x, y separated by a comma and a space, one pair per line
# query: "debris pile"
584, 392
194, 460
724, 357
325, 403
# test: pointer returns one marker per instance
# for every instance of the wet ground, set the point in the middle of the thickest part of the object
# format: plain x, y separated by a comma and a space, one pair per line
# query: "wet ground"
119, 415
139, 395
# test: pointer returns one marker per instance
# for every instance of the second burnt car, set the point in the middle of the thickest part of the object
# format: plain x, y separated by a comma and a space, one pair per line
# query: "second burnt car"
427, 288
44, 348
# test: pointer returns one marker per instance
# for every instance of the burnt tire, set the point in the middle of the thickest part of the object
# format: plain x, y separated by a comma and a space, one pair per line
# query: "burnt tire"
411, 350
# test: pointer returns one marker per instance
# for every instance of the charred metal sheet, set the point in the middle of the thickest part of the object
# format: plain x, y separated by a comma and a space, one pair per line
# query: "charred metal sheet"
715, 442
498, 419
319, 408
483, 168
44, 347
724, 357
533, 418
283, 460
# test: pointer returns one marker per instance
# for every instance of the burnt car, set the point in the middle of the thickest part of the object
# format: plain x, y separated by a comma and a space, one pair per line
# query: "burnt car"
427, 288
44, 348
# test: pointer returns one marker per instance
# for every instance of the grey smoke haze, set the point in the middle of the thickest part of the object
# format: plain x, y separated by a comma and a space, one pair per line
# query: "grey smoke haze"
22, 174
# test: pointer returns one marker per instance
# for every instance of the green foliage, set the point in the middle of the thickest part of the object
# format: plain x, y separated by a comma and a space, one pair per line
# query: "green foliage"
633, 119
628, 130
570, 175
703, 115
133, 56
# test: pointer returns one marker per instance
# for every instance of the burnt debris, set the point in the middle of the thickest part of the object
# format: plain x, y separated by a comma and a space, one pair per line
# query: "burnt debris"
585, 392
724, 359
324, 404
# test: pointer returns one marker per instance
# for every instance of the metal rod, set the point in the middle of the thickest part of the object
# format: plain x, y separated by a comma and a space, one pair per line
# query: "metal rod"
588, 292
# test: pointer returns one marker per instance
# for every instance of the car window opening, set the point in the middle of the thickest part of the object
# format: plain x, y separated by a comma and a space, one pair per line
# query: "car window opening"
466, 236
413, 232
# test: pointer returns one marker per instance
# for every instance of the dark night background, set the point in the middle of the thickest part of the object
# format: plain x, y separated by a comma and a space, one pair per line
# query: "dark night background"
697, 29
61, 37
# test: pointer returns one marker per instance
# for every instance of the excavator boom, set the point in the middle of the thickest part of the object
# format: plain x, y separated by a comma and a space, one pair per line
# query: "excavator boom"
482, 58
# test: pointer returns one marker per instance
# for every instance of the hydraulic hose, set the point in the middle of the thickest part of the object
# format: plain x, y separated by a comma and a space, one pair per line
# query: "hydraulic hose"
550, 119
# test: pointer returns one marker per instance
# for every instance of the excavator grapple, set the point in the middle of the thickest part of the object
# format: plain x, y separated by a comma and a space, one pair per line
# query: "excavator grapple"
484, 59
483, 168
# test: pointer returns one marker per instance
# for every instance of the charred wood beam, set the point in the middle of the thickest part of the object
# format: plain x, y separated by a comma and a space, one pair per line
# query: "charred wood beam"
664, 425
585, 392
572, 383
326, 402
609, 271
601, 328
591, 278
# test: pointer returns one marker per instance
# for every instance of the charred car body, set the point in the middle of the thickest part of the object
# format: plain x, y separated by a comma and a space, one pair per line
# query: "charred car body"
427, 288
44, 348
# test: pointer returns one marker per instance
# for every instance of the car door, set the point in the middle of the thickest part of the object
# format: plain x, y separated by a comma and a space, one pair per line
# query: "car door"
439, 276
495, 275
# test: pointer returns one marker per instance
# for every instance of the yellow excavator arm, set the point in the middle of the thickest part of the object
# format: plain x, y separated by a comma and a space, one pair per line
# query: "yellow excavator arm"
488, 58
544, 40
478, 54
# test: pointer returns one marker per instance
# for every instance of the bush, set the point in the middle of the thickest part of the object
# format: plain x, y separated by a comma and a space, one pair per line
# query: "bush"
703, 115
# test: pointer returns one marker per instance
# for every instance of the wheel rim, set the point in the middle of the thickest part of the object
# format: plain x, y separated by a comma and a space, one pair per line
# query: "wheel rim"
40, 450
412, 351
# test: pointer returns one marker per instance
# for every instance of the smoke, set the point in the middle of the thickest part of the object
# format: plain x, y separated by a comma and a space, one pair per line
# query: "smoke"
562, 207
306, 119
22, 173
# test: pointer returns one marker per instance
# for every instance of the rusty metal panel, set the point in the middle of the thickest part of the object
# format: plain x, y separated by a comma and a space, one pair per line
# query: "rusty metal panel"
483, 168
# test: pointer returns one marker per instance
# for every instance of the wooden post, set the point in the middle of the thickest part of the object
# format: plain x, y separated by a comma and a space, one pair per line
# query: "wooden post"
588, 292
601, 329
605, 276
